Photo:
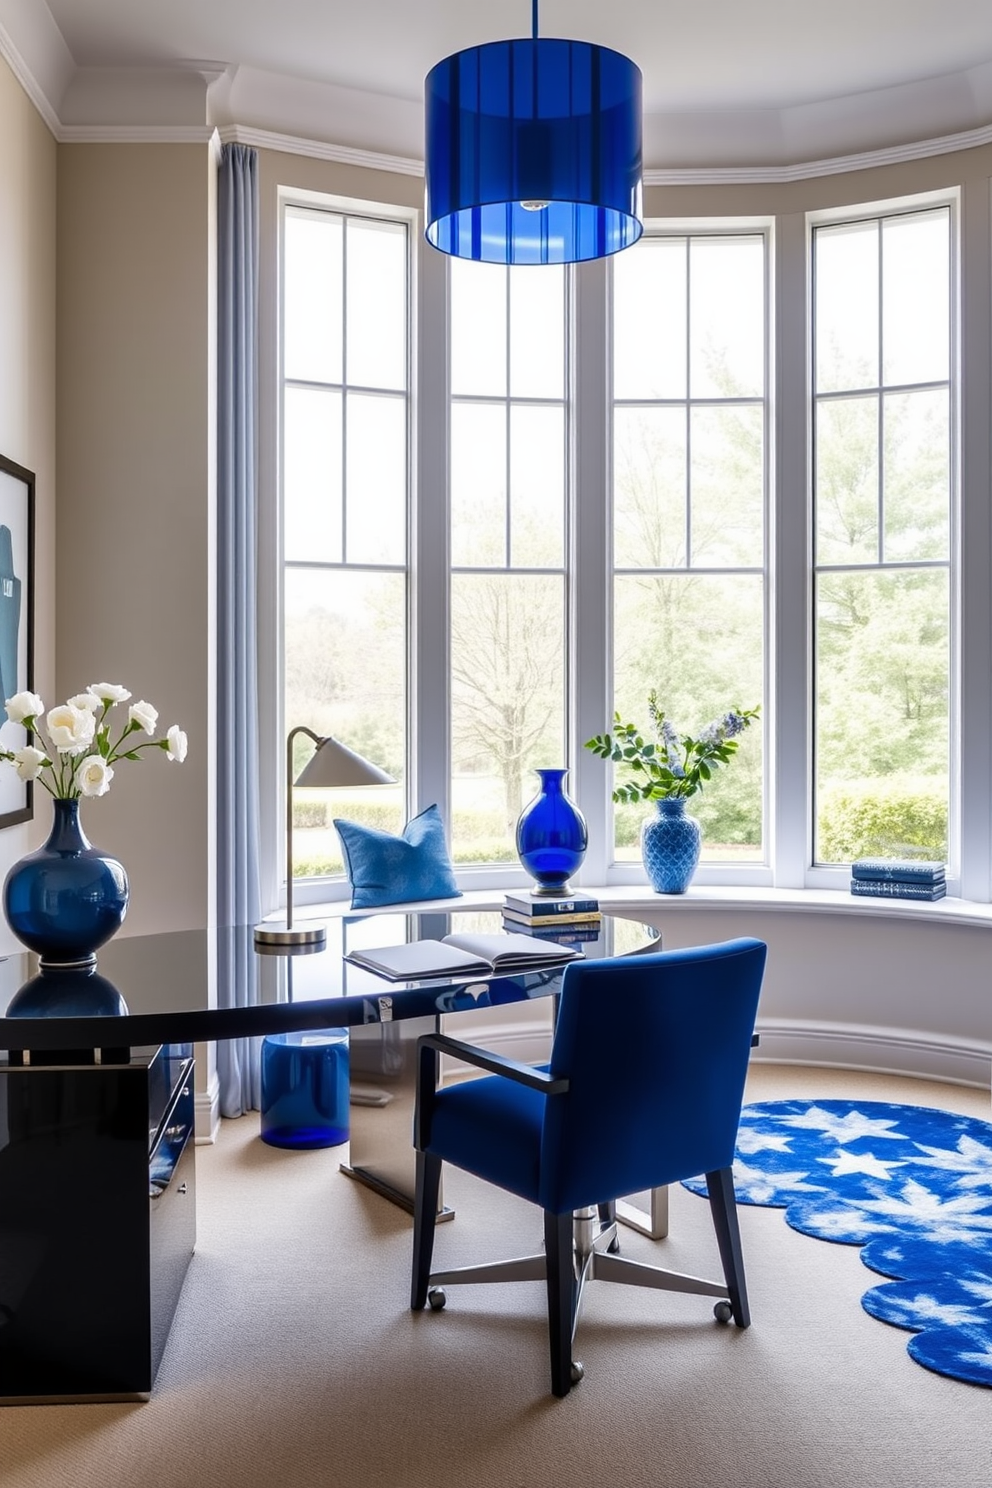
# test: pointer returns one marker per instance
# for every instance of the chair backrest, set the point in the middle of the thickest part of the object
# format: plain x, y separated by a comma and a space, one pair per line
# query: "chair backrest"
655, 1048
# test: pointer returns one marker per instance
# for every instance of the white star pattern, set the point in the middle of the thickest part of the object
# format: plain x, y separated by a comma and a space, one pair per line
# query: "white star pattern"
749, 1140
973, 1160
844, 1128
923, 1216
843, 1163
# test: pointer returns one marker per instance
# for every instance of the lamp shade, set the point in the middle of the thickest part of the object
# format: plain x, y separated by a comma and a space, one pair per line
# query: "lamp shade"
335, 764
533, 152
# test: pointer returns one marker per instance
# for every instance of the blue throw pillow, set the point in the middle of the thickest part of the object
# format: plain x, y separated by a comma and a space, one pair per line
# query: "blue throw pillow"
395, 870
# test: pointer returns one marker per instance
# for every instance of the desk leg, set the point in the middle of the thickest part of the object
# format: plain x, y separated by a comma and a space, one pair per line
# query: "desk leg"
652, 1222
383, 1089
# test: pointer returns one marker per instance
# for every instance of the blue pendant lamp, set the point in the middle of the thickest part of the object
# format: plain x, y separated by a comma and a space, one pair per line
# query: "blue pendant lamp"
533, 152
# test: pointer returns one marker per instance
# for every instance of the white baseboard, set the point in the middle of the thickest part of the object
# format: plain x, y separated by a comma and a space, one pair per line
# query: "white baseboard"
894, 1051
206, 1108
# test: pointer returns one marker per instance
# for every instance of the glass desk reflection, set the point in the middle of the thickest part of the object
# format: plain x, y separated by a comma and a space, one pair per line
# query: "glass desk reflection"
184, 987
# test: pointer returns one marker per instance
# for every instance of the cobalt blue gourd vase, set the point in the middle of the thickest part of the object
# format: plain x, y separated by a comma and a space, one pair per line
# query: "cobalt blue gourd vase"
670, 844
66, 899
552, 836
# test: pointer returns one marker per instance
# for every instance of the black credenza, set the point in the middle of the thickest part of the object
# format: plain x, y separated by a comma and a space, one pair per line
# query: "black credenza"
97, 1222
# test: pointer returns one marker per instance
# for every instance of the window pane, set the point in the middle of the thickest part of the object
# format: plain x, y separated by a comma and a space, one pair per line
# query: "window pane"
312, 296
537, 332
845, 283
917, 475
376, 303
726, 317
312, 475
727, 486
376, 466
478, 329
345, 664
846, 454
649, 487
883, 723
537, 486
478, 485
507, 710
916, 297
649, 319
699, 642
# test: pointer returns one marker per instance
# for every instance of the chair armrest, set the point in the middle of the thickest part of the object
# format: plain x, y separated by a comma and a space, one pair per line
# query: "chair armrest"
495, 1064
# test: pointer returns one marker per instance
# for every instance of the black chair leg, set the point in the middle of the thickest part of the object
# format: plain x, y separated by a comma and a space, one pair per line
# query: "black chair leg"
723, 1205
558, 1252
424, 1221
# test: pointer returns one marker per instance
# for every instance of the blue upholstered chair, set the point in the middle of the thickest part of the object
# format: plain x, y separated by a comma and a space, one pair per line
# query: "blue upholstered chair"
644, 1088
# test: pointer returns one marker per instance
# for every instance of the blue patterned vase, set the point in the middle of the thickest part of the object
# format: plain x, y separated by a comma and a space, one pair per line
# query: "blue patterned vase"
552, 836
67, 898
670, 844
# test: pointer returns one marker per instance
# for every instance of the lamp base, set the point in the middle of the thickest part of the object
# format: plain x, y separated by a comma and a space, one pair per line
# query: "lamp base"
276, 935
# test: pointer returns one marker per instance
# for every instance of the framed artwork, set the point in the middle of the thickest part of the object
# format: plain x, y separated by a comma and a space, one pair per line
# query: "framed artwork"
16, 625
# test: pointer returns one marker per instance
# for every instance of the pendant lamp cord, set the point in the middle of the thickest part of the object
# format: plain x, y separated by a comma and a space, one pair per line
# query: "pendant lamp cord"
533, 18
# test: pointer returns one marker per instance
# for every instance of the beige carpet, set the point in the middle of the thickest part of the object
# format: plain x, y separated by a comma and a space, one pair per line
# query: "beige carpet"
295, 1361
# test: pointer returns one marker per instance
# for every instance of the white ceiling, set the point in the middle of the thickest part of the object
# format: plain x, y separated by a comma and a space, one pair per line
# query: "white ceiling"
771, 76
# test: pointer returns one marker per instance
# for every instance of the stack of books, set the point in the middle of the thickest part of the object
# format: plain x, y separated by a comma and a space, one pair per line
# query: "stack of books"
566, 919
889, 878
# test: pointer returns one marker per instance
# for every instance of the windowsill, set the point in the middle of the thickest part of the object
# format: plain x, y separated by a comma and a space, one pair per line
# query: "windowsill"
625, 898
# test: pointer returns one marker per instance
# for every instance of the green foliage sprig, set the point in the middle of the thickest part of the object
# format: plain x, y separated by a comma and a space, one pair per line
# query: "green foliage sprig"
670, 764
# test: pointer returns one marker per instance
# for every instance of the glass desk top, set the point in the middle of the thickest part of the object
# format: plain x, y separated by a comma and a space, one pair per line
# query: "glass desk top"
195, 985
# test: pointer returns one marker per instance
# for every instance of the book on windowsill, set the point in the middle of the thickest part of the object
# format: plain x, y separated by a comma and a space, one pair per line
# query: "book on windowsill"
581, 917
563, 934
460, 956
548, 906
895, 870
882, 888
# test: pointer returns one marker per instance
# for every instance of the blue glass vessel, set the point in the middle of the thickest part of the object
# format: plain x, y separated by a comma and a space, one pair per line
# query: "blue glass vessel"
552, 836
67, 992
305, 1089
68, 898
670, 846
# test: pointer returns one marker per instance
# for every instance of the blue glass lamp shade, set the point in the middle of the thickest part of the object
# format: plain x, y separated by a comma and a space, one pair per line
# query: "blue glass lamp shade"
533, 152
552, 836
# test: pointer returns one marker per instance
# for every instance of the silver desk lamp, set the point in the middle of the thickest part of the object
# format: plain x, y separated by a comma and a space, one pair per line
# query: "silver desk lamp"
331, 764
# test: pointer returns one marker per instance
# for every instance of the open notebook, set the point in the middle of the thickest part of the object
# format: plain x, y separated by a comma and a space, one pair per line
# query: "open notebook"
461, 955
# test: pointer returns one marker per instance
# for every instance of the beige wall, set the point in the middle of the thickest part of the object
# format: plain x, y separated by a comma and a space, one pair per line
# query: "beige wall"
27, 367
136, 490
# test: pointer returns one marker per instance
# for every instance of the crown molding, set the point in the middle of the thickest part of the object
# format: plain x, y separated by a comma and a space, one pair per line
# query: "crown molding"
51, 63
27, 80
743, 175
289, 144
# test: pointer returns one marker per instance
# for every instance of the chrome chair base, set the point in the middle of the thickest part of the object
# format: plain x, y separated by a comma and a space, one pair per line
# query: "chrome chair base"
595, 1244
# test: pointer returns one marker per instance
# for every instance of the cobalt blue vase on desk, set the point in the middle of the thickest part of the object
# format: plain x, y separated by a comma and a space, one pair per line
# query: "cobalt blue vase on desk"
68, 898
552, 836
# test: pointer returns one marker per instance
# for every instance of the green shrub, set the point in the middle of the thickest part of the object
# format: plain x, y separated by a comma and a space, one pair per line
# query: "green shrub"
310, 814
896, 816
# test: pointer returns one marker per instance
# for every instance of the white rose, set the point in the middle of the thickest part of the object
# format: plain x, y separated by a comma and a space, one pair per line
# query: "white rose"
28, 761
109, 692
144, 715
177, 743
93, 775
23, 705
87, 700
71, 729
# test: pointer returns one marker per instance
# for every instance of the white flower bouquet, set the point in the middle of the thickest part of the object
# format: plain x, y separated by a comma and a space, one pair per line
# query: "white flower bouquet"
83, 745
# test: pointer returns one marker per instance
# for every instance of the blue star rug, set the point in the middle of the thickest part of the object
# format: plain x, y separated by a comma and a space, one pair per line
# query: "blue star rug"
912, 1186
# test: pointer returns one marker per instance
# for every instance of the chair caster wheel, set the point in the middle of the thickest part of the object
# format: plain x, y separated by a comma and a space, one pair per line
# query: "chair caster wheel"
436, 1298
577, 1371
723, 1312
